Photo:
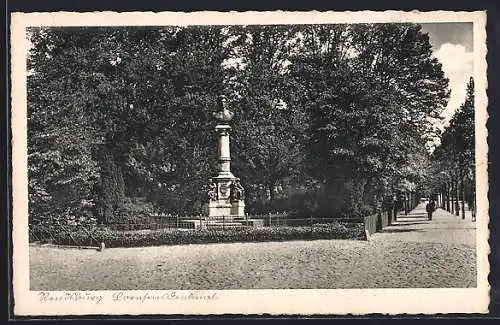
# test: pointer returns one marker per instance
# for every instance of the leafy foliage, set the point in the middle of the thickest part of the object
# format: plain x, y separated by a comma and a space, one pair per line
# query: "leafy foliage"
268, 144
372, 91
181, 237
454, 159
327, 117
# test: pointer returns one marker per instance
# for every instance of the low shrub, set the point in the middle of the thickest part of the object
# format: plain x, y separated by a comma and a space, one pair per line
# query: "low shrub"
295, 204
134, 211
45, 228
113, 238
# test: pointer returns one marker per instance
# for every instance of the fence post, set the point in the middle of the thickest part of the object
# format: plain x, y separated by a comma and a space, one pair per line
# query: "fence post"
269, 219
177, 221
200, 222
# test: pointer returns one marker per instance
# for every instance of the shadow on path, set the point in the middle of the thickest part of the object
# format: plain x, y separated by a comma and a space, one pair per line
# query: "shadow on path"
443, 228
410, 223
396, 230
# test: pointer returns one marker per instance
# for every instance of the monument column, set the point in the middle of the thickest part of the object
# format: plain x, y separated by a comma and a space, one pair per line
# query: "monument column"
226, 194
224, 151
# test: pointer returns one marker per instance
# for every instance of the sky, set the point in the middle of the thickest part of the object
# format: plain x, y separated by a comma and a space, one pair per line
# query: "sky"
452, 45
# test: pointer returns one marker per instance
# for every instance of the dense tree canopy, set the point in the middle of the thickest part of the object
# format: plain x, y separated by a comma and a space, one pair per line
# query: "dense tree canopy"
269, 137
344, 111
453, 163
372, 91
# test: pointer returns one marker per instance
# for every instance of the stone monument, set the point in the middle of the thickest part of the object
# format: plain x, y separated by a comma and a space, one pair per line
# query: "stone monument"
227, 195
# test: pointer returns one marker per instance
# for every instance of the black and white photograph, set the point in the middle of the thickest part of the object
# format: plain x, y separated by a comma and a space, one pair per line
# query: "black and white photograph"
234, 163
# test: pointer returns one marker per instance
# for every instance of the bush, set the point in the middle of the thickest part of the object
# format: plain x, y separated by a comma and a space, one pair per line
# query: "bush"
134, 212
43, 227
295, 204
365, 210
313, 203
113, 238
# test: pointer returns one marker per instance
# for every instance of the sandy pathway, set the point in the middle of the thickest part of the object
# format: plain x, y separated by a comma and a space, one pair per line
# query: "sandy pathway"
414, 253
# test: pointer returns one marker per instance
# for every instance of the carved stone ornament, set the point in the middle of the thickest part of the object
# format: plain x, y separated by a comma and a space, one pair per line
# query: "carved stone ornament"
237, 191
212, 192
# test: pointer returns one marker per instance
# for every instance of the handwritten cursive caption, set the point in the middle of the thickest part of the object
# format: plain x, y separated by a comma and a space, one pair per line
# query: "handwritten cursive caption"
45, 296
124, 296
169, 295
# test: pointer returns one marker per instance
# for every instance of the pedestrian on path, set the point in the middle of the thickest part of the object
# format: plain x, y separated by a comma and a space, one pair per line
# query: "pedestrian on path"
430, 208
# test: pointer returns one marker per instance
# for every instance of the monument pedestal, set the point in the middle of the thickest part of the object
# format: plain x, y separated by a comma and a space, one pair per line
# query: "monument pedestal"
221, 205
238, 209
220, 210
224, 209
225, 206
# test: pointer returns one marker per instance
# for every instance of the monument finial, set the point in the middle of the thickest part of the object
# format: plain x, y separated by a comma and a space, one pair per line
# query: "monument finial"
223, 115
222, 102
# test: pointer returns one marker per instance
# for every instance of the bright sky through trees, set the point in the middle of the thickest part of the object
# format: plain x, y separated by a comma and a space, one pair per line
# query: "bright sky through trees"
452, 45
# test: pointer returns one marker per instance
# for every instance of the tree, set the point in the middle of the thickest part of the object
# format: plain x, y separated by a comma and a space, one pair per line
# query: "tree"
455, 156
269, 130
117, 113
60, 168
123, 90
372, 91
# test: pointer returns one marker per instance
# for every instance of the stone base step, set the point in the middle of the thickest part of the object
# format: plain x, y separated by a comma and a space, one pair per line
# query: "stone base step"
252, 222
223, 224
237, 222
220, 219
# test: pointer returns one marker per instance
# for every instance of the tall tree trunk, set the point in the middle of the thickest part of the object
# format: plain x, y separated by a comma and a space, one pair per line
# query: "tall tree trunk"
474, 210
405, 202
270, 188
112, 186
344, 195
457, 194
463, 197
447, 196
452, 200
404, 206
355, 189
441, 194
444, 196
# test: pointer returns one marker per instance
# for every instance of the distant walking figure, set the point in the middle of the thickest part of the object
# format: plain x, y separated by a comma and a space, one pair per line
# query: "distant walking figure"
430, 208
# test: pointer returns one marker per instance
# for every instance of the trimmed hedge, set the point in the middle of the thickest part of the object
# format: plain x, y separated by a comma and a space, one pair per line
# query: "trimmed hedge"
113, 238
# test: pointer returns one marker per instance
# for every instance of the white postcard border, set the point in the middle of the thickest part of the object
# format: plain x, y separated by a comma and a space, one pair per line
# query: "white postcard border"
324, 301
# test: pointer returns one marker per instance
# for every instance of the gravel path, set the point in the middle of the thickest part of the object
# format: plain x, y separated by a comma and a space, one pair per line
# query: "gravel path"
413, 253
